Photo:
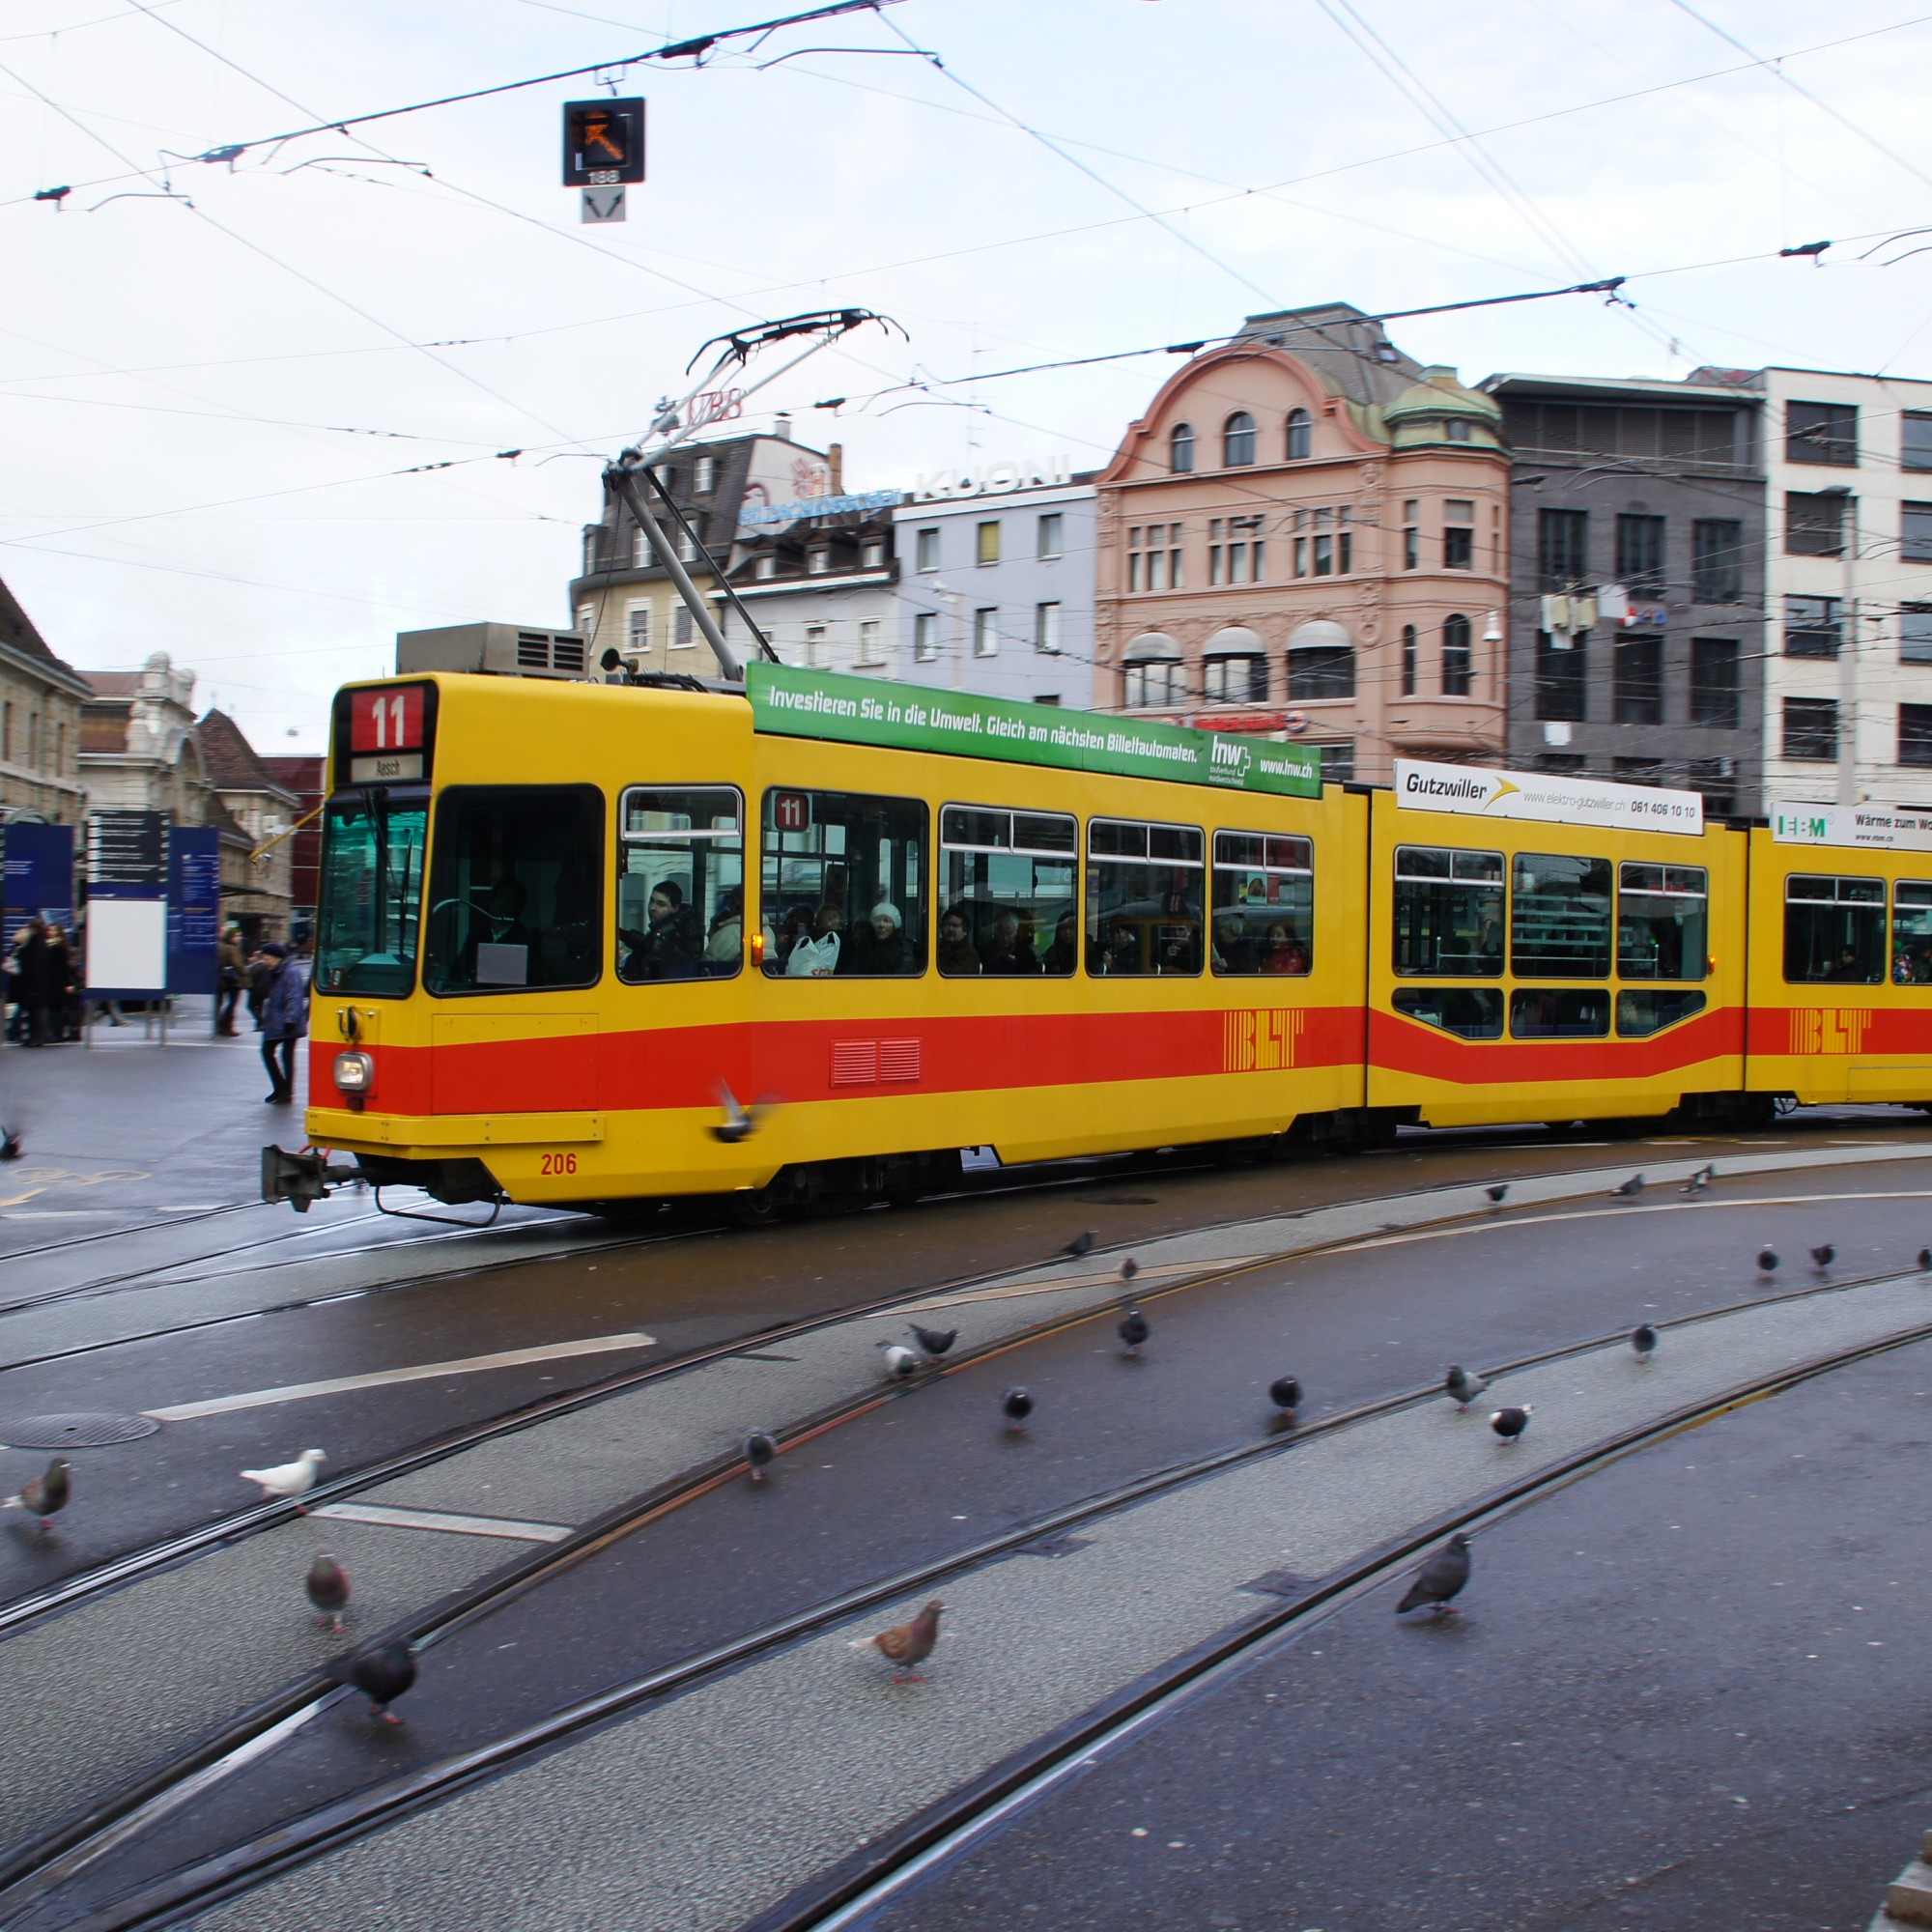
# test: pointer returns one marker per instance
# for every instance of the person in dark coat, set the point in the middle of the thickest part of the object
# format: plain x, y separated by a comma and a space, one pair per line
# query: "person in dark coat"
284, 1020
37, 980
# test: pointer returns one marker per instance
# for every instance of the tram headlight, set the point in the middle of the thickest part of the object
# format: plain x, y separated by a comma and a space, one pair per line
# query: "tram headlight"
355, 1073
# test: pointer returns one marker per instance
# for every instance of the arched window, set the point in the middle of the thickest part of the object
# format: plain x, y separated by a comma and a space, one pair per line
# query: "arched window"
1300, 435
1153, 673
1459, 668
1321, 662
1237, 439
1181, 448
1234, 667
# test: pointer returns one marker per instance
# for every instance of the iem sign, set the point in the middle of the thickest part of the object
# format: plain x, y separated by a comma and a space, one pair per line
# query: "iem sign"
603, 142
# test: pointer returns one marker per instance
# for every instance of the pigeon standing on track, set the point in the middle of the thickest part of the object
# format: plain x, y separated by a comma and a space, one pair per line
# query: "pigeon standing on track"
1498, 1193
290, 1480
1767, 1260
382, 1675
1133, 1329
10, 1144
1822, 1258
901, 1361
761, 1447
1510, 1423
1702, 1179
46, 1495
1643, 1341
1285, 1392
906, 1646
1438, 1580
1129, 1268
1925, 1260
1016, 1404
1628, 1190
1462, 1385
328, 1592
1081, 1246
933, 1341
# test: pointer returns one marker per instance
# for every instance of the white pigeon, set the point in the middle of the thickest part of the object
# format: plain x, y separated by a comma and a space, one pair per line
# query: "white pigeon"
292, 1480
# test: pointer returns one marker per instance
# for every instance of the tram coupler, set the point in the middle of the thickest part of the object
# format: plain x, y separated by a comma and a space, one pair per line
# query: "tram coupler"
300, 1178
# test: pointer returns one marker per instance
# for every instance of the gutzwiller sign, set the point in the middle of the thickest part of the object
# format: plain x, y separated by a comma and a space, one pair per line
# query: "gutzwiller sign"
914, 718
1422, 787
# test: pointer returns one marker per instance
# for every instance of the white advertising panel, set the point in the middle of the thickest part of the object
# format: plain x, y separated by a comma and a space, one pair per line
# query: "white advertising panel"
127, 945
1422, 786
1852, 825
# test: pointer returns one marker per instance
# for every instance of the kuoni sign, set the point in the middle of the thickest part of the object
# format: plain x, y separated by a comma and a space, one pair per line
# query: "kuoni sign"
865, 711
1422, 787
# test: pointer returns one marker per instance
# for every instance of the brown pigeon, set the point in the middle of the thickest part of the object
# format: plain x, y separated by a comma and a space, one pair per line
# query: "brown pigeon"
328, 1592
906, 1645
45, 1496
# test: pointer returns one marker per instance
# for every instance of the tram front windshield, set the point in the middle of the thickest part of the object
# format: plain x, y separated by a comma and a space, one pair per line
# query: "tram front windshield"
370, 901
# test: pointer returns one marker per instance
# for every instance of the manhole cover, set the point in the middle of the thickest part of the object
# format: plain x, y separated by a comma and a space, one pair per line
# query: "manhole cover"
84, 1430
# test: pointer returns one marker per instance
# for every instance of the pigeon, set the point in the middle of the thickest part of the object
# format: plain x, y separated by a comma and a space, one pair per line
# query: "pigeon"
1702, 1179
1823, 1258
934, 1341
1463, 1385
1438, 1580
1498, 1193
328, 1592
10, 1144
1510, 1423
1628, 1190
905, 1646
1129, 1268
1133, 1329
760, 1447
46, 1495
1767, 1260
739, 1123
294, 1480
1643, 1339
1082, 1244
901, 1361
382, 1675
1285, 1392
1016, 1404
1925, 1260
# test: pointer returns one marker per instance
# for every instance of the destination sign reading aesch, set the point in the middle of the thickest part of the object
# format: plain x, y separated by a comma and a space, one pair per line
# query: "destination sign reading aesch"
1422, 787
1865, 825
917, 718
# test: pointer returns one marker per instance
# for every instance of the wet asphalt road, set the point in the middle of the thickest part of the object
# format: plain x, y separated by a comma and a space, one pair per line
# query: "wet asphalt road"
932, 1469
1694, 1689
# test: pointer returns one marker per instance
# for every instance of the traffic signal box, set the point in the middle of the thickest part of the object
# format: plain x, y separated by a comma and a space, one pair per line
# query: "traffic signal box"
603, 142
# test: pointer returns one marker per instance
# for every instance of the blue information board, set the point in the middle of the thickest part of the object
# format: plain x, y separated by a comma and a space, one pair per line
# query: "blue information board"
194, 909
39, 876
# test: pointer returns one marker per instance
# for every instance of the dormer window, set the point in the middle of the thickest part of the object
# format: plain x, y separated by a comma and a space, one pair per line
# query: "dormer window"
1457, 430
1300, 435
1181, 448
1237, 439
817, 560
872, 553
766, 565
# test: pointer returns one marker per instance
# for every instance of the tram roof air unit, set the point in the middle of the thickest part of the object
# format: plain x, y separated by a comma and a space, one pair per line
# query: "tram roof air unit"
498, 650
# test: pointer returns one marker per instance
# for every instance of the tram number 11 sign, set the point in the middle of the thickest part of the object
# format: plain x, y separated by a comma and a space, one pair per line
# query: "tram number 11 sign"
792, 812
386, 734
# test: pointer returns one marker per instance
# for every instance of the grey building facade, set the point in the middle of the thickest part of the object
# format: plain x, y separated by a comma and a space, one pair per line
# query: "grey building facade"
1643, 503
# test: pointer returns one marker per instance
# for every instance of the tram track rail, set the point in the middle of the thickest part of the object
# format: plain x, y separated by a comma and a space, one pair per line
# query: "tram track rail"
39, 1870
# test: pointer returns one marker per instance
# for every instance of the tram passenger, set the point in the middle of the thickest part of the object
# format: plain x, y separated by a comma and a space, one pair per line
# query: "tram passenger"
879, 946
1122, 954
1284, 953
817, 956
724, 944
1064, 954
1004, 951
956, 952
667, 947
1233, 951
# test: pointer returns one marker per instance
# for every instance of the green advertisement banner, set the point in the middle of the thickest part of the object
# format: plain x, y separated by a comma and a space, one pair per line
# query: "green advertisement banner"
917, 718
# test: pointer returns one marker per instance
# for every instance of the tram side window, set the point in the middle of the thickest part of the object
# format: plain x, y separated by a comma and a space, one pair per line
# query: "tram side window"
1662, 921
843, 886
515, 889
680, 883
1009, 891
1264, 904
1912, 933
1476, 1012
1833, 930
1644, 1010
1560, 1013
1144, 898
1449, 916
1560, 917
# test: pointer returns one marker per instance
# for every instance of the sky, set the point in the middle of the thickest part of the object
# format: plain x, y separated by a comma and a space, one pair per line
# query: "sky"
251, 411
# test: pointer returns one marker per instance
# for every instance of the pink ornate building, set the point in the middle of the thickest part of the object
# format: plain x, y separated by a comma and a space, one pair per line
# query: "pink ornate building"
1306, 535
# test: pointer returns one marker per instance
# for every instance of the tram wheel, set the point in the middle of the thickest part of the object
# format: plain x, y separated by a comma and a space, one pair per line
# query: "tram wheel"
755, 1208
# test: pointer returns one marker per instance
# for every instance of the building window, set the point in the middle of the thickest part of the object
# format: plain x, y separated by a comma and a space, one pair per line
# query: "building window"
1235, 680
1636, 674
687, 546
1237, 439
1181, 448
1915, 734
1049, 541
1338, 761
868, 641
765, 564
1408, 660
814, 645
1157, 566
1915, 634
986, 632
683, 632
1640, 555
1716, 561
1317, 671
1458, 661
817, 560
641, 548
586, 619
639, 626
1822, 433
1915, 440
1561, 538
1812, 728
872, 553
1046, 627
1459, 549
988, 551
1456, 429
1300, 435
1914, 532
926, 637
926, 550
706, 475
1814, 524
1811, 626
1562, 676
1155, 681
1714, 683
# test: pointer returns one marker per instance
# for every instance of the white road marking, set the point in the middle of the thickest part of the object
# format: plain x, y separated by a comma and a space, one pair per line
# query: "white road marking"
511, 1358
459, 1526
1052, 1284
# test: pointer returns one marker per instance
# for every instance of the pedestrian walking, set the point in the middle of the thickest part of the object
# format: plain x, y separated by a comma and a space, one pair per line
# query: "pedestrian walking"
234, 971
261, 969
284, 1019
66, 975
37, 980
